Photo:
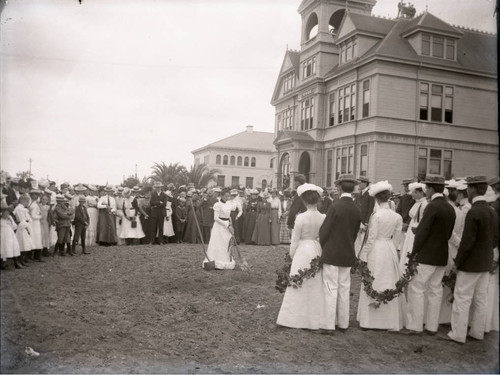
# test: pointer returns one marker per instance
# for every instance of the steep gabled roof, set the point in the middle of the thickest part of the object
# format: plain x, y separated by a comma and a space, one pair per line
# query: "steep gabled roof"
291, 59
363, 24
258, 141
429, 22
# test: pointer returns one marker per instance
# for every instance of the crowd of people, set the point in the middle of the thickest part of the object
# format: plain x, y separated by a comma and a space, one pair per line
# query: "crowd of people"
440, 227
447, 226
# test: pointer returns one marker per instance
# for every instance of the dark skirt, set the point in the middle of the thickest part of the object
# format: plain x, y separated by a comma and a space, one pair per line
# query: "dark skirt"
191, 231
249, 224
106, 229
147, 228
275, 228
262, 232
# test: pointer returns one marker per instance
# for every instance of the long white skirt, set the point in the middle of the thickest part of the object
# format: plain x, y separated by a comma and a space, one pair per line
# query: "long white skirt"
218, 248
168, 228
492, 307
304, 307
91, 233
36, 234
406, 249
118, 226
9, 244
383, 264
126, 230
24, 237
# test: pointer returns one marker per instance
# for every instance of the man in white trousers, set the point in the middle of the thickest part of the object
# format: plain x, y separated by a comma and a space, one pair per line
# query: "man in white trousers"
474, 261
336, 236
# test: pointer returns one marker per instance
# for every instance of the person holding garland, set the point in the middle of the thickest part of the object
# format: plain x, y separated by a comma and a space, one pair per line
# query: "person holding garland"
218, 247
304, 307
379, 252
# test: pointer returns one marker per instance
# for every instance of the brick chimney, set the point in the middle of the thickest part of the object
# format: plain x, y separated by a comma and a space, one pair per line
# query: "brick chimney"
249, 128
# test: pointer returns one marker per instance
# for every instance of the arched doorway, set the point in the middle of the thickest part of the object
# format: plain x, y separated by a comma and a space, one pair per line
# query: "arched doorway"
305, 165
284, 171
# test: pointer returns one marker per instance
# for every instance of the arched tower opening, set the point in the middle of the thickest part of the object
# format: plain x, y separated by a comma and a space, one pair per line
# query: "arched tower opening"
335, 20
311, 26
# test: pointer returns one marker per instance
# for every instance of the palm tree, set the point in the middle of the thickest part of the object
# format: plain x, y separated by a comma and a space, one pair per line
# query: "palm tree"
200, 175
172, 173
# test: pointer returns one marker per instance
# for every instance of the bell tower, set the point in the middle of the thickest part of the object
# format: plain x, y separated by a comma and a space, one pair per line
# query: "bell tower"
322, 18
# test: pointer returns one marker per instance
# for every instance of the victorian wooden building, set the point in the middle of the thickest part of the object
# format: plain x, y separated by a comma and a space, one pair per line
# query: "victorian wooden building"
384, 98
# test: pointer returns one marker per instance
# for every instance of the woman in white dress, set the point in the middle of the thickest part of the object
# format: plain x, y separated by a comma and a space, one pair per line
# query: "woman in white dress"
36, 226
23, 232
168, 227
131, 228
379, 252
417, 190
303, 307
218, 247
93, 215
9, 247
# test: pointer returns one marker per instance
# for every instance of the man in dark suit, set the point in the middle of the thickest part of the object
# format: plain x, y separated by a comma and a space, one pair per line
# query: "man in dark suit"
406, 202
336, 236
298, 205
473, 262
431, 250
365, 202
325, 202
158, 204
81, 223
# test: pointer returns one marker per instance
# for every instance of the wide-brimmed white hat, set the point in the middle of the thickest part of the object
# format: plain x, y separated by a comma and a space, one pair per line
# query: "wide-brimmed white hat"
308, 187
379, 187
416, 185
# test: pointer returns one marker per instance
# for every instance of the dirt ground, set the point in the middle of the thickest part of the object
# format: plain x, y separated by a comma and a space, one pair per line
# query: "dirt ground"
153, 309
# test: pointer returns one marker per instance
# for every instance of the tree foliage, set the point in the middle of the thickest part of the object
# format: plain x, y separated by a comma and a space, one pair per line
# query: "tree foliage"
200, 175
172, 173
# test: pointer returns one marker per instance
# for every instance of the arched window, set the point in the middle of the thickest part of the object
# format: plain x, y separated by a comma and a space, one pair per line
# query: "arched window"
224, 160
311, 26
217, 160
245, 164
252, 163
240, 161
231, 161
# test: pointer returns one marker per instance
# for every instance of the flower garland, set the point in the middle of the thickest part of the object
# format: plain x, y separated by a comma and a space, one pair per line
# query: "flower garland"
285, 280
389, 294
450, 280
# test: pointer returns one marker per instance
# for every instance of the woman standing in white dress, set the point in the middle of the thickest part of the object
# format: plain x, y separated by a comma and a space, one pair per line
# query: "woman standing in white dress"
379, 252
93, 215
417, 190
131, 228
36, 226
168, 227
303, 307
218, 247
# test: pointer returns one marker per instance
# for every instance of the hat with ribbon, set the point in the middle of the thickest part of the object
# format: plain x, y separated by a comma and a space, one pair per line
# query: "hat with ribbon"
108, 189
308, 187
158, 185
434, 180
350, 178
60, 198
416, 185
169, 194
474, 180
461, 185
407, 181
80, 188
379, 187
82, 198
233, 192
136, 189
127, 192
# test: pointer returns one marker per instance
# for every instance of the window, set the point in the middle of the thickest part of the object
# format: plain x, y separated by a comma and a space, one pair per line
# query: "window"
206, 159
271, 163
217, 159
363, 166
224, 160
366, 98
434, 161
252, 162
232, 160
235, 181
309, 67
347, 104
221, 180
348, 51
245, 163
344, 162
434, 99
279, 122
331, 122
329, 167
287, 118
307, 115
239, 161
249, 182
264, 183
288, 82
438, 46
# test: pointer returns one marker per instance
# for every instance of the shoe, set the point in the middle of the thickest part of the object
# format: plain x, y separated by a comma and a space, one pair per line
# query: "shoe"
327, 332
84, 251
69, 249
430, 333
443, 337
38, 256
410, 332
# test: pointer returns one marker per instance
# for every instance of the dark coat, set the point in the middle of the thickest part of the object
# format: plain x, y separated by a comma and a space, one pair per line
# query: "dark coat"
296, 208
433, 232
81, 216
366, 204
405, 204
62, 216
158, 203
480, 236
338, 233
324, 205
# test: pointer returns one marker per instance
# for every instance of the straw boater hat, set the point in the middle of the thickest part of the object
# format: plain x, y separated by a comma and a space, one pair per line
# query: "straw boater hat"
233, 192
68, 196
434, 180
461, 185
350, 178
407, 181
254, 192
158, 184
168, 193
308, 187
80, 188
265, 194
43, 183
136, 189
416, 185
60, 198
494, 181
108, 189
81, 198
474, 180
92, 187
379, 187
362, 179
35, 191
451, 184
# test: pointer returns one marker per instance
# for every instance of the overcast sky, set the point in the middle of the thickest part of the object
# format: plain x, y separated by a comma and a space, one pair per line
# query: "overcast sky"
88, 91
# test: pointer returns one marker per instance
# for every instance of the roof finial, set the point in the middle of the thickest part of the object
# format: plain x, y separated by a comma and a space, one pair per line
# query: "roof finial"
426, 7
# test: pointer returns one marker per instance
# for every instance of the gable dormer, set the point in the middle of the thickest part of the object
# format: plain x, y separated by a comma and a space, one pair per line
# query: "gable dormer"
431, 37
358, 33
288, 76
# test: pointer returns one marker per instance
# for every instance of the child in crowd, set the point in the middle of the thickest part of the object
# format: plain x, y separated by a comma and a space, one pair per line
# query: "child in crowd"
9, 243
81, 223
36, 216
23, 233
45, 224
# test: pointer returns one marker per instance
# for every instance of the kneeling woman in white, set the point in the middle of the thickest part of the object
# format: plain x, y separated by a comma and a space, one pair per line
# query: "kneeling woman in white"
384, 232
303, 307
218, 247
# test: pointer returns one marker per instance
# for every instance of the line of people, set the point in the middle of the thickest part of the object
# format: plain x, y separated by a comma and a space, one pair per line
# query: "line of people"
453, 228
